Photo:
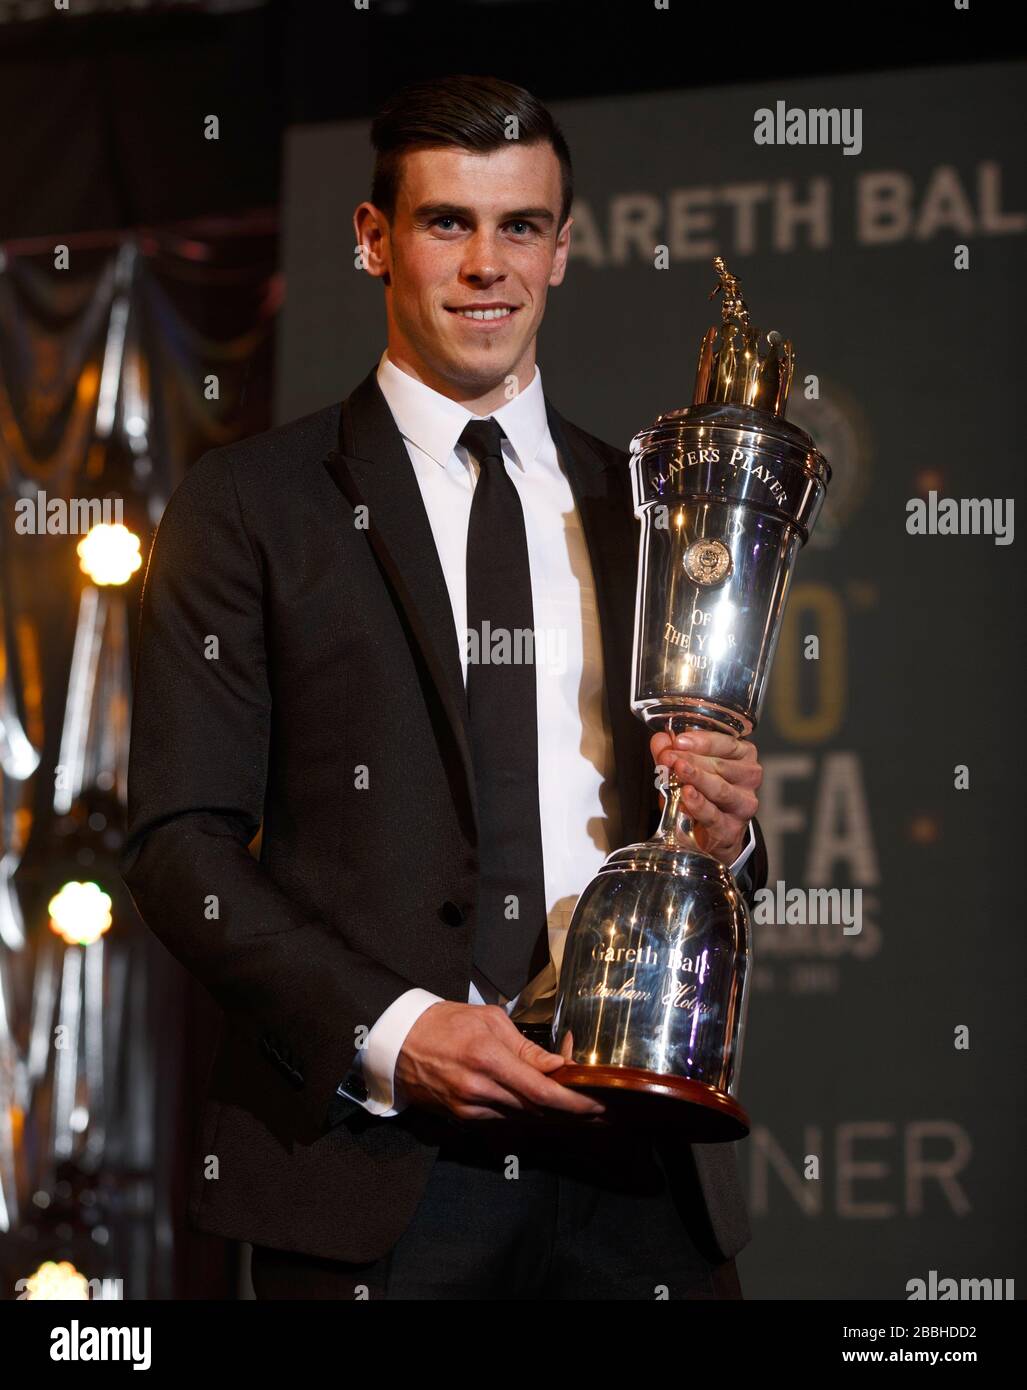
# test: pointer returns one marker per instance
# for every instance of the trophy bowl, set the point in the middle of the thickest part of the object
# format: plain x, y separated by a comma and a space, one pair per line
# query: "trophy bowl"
653, 989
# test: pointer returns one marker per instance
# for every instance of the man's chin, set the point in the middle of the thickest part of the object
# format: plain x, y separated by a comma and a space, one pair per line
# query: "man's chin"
481, 372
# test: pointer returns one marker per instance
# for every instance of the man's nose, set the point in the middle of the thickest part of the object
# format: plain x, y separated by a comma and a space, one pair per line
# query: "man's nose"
483, 260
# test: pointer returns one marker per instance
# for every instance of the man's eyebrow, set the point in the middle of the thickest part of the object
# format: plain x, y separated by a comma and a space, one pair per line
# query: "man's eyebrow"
468, 214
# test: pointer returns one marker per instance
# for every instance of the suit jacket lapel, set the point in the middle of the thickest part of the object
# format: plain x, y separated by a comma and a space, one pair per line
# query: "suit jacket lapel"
372, 467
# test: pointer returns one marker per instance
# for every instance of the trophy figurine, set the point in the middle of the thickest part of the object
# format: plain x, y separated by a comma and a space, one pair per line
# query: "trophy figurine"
651, 1005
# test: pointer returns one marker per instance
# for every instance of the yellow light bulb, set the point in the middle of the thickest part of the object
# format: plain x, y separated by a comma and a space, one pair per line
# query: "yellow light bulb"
80, 913
57, 1281
109, 554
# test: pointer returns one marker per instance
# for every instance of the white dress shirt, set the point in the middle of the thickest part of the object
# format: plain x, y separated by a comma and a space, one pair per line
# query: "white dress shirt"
575, 745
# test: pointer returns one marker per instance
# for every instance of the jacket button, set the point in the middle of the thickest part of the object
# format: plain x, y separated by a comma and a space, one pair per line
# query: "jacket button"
452, 913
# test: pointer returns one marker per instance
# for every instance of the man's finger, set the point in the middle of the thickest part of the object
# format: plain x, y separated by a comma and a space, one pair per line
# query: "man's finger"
658, 743
485, 1090
739, 773
525, 1079
715, 745
536, 1089
723, 832
729, 797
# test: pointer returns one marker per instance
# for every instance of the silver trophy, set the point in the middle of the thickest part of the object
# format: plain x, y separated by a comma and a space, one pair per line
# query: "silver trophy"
650, 1012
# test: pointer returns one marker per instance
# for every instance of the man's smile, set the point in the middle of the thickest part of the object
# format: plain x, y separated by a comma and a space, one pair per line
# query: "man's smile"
490, 315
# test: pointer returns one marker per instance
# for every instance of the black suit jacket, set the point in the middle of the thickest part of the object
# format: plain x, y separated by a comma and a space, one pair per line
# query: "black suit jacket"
283, 649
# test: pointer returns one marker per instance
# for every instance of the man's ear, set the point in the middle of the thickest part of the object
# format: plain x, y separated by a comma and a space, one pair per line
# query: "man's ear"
371, 228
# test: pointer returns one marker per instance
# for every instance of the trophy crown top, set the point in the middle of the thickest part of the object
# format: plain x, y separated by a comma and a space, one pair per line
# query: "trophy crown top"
734, 306
737, 363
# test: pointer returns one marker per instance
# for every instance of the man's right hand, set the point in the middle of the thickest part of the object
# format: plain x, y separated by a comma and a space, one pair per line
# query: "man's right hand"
471, 1061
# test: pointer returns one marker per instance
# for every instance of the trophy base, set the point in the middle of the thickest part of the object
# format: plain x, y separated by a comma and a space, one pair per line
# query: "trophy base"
691, 1110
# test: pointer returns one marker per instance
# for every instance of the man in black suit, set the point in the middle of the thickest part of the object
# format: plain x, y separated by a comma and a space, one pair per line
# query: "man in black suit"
381, 1118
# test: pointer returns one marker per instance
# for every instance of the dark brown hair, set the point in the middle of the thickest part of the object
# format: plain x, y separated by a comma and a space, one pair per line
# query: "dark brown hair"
465, 112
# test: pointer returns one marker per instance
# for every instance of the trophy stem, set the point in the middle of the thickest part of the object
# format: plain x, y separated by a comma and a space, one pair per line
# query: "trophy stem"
675, 826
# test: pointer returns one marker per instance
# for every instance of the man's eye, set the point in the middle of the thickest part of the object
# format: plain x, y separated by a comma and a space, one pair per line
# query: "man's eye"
448, 221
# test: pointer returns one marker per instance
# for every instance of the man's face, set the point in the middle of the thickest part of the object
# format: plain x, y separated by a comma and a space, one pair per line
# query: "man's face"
469, 230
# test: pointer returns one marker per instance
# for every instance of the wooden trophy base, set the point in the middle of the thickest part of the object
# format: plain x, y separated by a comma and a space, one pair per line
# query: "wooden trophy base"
689, 1110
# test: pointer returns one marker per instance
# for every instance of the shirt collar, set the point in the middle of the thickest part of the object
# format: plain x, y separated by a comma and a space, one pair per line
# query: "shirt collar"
434, 422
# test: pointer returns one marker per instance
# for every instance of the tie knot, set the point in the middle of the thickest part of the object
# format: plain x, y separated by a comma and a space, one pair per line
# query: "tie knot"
482, 439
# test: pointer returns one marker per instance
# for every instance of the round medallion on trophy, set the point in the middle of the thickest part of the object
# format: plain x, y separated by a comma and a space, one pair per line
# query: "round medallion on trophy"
707, 562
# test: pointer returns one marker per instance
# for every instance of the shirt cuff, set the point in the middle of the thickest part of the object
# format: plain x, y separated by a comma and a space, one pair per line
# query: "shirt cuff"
750, 845
372, 1081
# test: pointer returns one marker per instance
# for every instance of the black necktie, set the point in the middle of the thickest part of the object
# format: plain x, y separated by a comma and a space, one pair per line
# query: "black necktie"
511, 938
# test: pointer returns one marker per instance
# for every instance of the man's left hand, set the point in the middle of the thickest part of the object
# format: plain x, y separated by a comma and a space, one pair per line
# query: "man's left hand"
720, 776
